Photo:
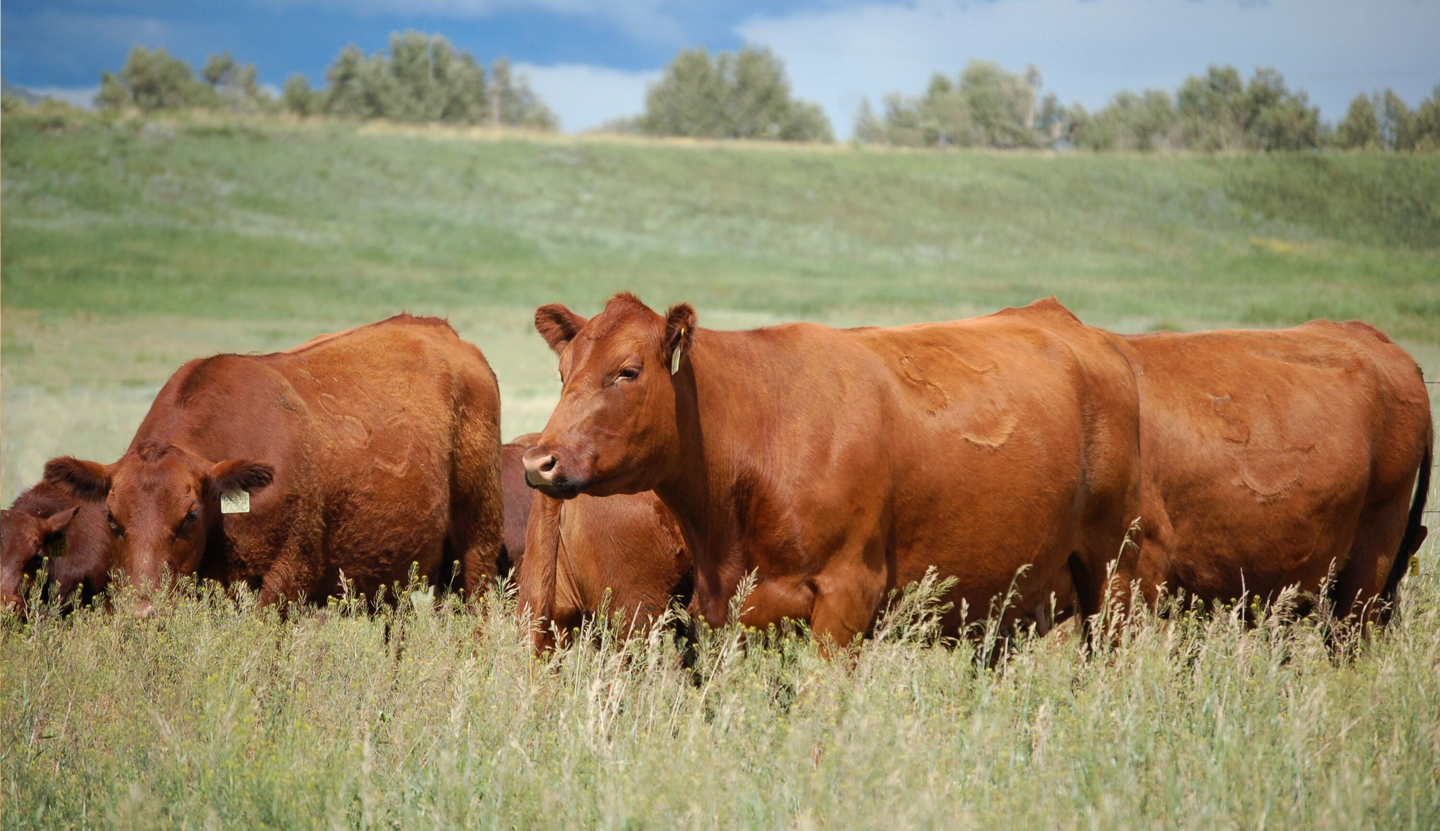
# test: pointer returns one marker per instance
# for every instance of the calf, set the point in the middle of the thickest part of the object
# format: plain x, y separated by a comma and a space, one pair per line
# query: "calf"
48, 521
577, 551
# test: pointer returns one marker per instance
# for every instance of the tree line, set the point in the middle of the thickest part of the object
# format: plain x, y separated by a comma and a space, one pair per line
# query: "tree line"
423, 78
746, 95
986, 106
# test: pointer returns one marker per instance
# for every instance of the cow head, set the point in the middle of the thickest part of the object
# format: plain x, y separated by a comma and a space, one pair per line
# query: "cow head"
24, 538
161, 503
614, 430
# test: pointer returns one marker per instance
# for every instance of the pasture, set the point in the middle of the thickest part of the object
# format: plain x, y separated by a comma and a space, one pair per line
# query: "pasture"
129, 247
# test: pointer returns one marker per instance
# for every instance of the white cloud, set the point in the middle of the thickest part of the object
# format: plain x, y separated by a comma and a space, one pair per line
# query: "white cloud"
586, 96
1334, 49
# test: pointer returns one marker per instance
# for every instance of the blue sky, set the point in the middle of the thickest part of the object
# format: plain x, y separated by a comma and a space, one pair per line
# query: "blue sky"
592, 59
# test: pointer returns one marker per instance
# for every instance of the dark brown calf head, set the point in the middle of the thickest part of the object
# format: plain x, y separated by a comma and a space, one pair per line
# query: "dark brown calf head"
24, 540
614, 430
161, 502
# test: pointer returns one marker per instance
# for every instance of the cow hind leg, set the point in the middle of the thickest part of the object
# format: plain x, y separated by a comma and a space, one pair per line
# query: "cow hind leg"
1361, 581
1104, 575
477, 506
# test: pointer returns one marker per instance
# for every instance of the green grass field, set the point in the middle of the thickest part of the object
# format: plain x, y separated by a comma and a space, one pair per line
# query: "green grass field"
130, 247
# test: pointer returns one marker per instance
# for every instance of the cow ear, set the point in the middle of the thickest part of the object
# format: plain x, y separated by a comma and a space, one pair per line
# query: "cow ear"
557, 325
240, 475
679, 332
87, 480
55, 523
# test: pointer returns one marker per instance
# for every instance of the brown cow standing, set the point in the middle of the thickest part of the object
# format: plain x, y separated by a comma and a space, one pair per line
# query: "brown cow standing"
518, 496
48, 521
629, 545
839, 465
361, 452
1270, 455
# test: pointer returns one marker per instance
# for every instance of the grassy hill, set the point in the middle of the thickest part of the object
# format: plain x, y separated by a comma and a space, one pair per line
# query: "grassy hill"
130, 247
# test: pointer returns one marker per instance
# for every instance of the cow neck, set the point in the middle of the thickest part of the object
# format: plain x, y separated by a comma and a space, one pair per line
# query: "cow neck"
711, 422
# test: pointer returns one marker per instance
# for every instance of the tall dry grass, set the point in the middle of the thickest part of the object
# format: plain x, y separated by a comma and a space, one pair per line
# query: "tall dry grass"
422, 714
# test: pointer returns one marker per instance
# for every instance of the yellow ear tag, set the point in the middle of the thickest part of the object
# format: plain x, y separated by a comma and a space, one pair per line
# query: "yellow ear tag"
55, 549
675, 356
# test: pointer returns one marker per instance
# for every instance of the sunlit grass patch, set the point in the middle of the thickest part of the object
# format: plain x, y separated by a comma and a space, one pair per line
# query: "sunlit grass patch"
426, 713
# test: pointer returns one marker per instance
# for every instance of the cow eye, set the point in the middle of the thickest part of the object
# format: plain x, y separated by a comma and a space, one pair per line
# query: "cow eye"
189, 519
629, 373
114, 526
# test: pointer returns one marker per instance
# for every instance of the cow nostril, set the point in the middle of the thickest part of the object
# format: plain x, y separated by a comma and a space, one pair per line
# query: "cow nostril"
547, 464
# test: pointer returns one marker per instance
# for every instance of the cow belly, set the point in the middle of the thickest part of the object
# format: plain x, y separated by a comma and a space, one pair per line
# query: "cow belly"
1225, 540
386, 528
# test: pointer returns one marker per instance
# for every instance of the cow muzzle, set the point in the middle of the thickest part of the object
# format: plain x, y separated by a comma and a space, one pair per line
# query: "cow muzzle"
541, 469
545, 473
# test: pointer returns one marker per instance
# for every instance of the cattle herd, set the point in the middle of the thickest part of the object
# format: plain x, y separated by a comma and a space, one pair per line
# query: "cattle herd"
1049, 467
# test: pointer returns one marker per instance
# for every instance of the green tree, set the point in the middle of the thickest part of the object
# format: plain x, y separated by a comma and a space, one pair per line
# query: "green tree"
357, 86
1360, 129
1273, 117
1395, 121
236, 85
299, 98
1426, 124
426, 79
514, 104
868, 129
1218, 111
1144, 121
985, 106
1211, 109
460, 90
743, 94
153, 80
1001, 105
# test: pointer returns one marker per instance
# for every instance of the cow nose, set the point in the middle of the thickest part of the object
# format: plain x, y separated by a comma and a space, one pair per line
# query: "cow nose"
144, 609
540, 468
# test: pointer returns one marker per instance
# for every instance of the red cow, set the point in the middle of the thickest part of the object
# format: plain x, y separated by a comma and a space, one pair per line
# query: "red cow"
1272, 457
577, 551
840, 464
361, 452
518, 496
47, 521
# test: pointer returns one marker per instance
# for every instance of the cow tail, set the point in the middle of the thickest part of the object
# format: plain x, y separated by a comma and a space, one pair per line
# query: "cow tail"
535, 579
1414, 531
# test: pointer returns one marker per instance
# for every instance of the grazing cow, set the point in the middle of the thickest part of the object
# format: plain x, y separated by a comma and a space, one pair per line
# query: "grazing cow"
47, 521
840, 464
360, 453
1270, 457
517, 501
629, 545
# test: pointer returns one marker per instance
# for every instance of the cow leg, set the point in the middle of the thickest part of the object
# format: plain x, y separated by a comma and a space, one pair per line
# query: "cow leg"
837, 620
280, 583
477, 508
1372, 555
846, 602
1104, 577
477, 535
773, 601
